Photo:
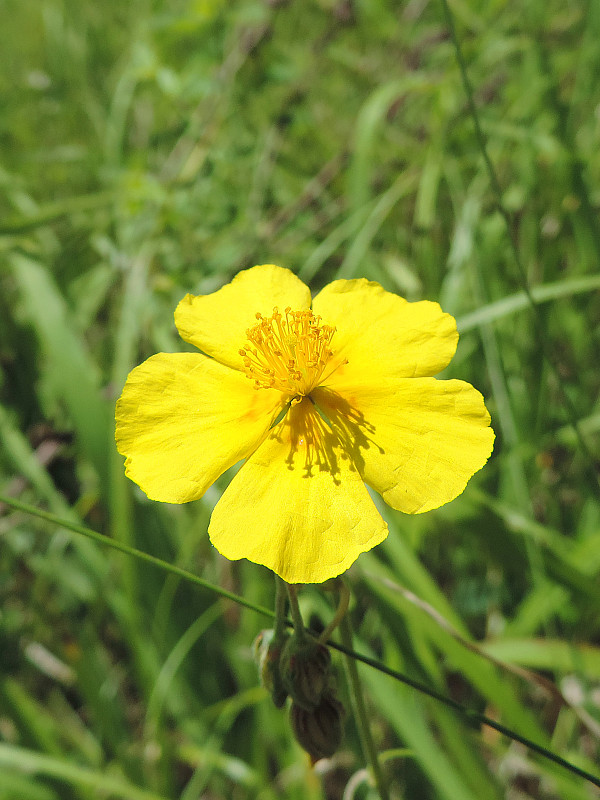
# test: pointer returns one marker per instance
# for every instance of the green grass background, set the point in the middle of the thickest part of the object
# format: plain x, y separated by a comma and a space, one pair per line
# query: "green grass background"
149, 149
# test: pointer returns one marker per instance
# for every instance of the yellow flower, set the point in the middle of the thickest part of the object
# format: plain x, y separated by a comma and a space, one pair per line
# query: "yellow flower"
321, 397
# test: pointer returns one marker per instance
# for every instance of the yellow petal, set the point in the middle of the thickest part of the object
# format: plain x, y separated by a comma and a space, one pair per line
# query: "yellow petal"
183, 419
419, 440
383, 335
217, 323
298, 505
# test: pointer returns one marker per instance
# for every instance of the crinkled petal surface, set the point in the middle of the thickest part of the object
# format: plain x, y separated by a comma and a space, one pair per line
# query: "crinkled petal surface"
417, 440
382, 335
217, 323
298, 505
183, 419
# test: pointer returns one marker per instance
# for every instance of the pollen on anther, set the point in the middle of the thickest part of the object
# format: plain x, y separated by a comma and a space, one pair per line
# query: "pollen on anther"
288, 352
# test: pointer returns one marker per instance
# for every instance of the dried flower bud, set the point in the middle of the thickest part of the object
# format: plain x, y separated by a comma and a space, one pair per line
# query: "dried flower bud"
305, 669
267, 653
319, 731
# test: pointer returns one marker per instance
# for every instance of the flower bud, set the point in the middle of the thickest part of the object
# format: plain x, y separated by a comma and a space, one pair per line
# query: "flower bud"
319, 731
267, 651
305, 670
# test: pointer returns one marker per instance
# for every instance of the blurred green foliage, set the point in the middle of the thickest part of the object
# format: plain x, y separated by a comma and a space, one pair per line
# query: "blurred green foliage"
148, 149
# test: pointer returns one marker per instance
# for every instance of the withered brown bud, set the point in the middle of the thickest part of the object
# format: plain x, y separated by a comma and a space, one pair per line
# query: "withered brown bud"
305, 669
319, 731
267, 649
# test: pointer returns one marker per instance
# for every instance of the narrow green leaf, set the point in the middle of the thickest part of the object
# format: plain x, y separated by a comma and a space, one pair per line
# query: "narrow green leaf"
519, 301
73, 375
18, 759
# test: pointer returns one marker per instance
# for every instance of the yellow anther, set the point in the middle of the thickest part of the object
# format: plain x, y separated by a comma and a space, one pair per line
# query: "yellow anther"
288, 351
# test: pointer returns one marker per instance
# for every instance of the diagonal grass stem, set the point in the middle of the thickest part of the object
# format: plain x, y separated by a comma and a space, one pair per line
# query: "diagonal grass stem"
132, 551
472, 717
497, 191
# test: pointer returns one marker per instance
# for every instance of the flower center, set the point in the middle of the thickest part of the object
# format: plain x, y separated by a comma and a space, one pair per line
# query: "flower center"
288, 351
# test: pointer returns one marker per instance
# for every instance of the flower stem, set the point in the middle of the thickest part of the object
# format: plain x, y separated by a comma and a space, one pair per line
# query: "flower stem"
343, 603
360, 713
280, 604
299, 628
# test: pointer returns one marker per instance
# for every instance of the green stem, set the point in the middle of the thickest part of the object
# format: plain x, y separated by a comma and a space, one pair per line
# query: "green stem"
280, 604
360, 713
343, 603
299, 629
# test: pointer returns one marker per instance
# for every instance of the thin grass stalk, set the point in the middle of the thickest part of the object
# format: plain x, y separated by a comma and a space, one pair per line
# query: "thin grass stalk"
360, 713
473, 717
497, 191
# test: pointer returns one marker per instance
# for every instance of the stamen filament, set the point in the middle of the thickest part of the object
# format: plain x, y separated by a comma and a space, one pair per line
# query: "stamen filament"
288, 352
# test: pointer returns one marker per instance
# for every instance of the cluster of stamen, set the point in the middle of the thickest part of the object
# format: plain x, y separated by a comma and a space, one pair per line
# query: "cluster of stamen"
288, 351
